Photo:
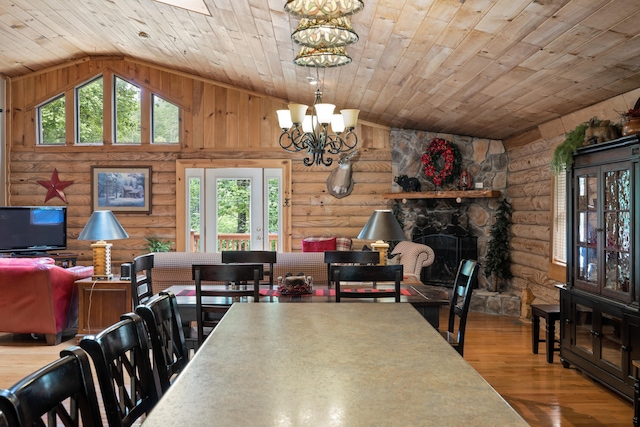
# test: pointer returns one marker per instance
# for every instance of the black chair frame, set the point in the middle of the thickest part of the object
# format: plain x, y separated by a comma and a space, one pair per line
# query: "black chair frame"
45, 391
169, 348
130, 386
252, 257
239, 275
141, 284
349, 257
460, 302
368, 273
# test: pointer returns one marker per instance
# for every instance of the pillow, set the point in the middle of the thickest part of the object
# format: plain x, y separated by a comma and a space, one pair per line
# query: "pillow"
394, 260
318, 244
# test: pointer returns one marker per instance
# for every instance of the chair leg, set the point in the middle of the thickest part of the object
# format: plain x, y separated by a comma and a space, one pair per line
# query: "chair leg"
535, 333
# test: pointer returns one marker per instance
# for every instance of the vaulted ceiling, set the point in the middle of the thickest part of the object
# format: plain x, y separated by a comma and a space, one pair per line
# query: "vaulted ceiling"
486, 68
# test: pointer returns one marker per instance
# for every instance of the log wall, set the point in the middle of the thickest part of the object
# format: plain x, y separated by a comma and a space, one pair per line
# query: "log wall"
217, 122
529, 190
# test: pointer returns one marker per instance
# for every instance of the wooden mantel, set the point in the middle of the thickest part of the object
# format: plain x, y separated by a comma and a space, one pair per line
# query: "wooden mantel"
453, 194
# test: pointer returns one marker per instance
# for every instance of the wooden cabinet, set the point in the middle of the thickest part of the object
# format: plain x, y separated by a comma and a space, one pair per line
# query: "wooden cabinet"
101, 303
600, 332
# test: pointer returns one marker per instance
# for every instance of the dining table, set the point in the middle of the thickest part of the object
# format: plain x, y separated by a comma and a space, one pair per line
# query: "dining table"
329, 365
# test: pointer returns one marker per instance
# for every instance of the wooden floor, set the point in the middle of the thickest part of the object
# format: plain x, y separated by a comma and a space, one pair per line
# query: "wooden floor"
499, 348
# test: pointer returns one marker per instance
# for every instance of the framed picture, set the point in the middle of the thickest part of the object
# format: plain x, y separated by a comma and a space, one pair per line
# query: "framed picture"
121, 189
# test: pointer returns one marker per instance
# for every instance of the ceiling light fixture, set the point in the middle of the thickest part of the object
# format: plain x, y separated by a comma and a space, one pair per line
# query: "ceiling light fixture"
322, 57
310, 133
323, 9
324, 33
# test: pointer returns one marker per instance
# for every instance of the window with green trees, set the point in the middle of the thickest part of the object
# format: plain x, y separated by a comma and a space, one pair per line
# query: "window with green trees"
166, 121
128, 115
51, 122
88, 121
90, 102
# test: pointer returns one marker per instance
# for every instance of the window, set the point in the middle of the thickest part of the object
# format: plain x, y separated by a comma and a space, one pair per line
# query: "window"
166, 121
51, 122
128, 101
128, 116
557, 267
90, 105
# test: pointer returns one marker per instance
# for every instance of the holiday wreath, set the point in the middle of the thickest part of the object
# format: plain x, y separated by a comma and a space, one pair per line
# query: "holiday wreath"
441, 162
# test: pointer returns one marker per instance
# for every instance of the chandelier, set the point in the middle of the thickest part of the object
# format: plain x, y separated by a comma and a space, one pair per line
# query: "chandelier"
323, 32
312, 133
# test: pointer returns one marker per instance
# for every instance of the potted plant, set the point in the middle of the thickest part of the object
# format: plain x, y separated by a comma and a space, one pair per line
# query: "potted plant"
563, 154
157, 244
498, 260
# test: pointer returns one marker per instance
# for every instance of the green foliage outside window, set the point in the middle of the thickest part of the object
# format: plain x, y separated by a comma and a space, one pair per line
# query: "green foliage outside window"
90, 105
128, 115
90, 112
52, 123
166, 121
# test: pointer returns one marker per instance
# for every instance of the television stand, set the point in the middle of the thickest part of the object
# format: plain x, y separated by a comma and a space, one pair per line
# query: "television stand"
63, 259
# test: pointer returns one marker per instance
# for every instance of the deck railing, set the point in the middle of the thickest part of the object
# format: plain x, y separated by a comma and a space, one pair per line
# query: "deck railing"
233, 242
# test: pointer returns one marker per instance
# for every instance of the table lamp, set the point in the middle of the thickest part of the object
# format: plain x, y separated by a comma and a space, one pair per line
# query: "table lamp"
382, 226
102, 226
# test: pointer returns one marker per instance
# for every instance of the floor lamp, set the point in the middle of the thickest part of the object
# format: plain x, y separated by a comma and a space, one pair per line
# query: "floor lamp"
102, 226
382, 227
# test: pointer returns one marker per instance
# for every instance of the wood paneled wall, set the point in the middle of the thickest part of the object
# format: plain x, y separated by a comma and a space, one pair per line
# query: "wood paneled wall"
218, 122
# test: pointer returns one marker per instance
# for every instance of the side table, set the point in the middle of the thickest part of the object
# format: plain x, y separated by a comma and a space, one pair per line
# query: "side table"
101, 303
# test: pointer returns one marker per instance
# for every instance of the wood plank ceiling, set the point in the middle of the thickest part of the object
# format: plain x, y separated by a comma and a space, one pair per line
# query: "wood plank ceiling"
486, 68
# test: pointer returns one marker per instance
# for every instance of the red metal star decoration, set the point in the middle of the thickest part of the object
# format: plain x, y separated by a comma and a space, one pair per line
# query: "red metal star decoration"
55, 187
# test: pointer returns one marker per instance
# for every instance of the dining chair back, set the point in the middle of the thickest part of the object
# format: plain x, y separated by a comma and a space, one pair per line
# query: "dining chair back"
349, 257
129, 385
168, 345
141, 280
244, 281
63, 391
253, 257
459, 305
367, 273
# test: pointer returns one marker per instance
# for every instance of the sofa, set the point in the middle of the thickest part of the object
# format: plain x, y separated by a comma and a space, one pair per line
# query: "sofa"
174, 268
39, 297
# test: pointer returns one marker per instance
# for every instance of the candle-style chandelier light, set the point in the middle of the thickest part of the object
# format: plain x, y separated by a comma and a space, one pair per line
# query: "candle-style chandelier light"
323, 33
318, 133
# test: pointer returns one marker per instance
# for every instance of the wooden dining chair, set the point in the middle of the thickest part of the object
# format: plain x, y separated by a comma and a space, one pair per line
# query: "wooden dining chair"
349, 257
129, 385
252, 257
63, 391
141, 280
367, 273
244, 281
460, 302
168, 344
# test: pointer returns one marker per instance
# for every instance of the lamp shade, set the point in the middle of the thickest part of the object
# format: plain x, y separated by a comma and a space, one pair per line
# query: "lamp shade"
103, 225
382, 226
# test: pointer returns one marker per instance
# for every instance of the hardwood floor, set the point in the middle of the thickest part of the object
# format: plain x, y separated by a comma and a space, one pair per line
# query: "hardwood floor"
499, 348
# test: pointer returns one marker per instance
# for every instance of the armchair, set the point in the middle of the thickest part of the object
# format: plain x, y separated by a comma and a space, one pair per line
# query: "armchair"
37, 296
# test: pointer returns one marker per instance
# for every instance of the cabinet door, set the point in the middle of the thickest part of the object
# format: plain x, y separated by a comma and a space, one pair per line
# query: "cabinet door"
608, 331
630, 346
586, 225
583, 339
617, 211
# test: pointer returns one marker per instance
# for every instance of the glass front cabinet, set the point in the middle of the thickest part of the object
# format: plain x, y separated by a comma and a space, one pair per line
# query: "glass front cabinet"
599, 304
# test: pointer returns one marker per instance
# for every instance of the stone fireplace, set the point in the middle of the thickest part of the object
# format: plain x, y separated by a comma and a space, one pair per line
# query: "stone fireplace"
455, 228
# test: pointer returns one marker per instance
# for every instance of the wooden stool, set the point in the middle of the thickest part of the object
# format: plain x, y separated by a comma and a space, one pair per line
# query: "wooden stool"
551, 313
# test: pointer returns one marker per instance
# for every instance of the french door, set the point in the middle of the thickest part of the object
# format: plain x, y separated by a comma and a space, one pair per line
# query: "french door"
239, 208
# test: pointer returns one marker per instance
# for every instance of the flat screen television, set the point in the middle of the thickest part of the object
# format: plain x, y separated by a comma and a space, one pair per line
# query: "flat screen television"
33, 229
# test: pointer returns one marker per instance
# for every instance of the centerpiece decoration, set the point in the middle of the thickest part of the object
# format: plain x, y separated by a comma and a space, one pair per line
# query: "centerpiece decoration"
295, 285
441, 161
